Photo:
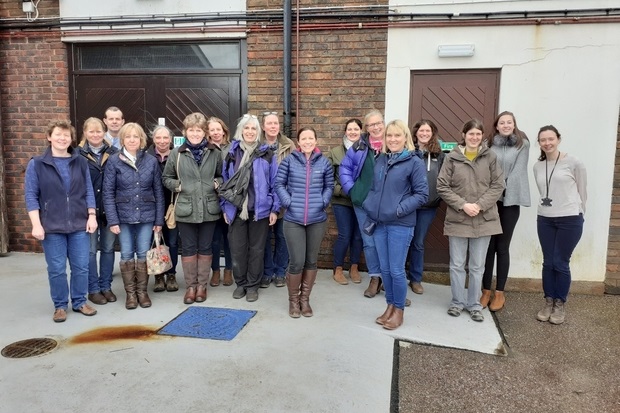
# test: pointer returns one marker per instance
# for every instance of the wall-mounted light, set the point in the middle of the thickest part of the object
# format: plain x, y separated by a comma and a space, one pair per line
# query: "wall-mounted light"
456, 50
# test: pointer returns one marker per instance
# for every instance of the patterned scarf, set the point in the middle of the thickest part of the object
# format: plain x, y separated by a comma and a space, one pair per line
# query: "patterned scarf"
248, 149
197, 150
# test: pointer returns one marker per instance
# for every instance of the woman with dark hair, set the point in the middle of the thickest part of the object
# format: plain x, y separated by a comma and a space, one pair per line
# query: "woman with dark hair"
349, 237
427, 148
512, 149
304, 185
561, 179
470, 182
61, 206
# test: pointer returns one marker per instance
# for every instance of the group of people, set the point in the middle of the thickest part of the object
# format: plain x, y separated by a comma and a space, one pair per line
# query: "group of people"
385, 183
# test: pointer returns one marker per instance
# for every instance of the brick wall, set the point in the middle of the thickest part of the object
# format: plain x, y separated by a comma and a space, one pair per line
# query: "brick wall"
612, 276
341, 76
34, 90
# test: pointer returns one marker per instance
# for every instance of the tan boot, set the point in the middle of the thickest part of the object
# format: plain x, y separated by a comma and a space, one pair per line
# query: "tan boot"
215, 278
395, 320
228, 277
373, 287
498, 301
204, 268
355, 274
339, 276
142, 282
545, 313
308, 277
128, 273
558, 313
485, 298
160, 283
171, 282
293, 282
190, 273
386, 314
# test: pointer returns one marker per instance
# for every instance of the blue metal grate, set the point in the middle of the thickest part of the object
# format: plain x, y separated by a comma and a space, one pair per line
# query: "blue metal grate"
208, 322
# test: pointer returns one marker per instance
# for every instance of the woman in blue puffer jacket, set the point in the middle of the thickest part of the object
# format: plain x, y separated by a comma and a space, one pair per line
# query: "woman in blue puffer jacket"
304, 184
398, 189
133, 199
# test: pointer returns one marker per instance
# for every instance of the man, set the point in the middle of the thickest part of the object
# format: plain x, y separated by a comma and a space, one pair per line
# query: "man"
113, 120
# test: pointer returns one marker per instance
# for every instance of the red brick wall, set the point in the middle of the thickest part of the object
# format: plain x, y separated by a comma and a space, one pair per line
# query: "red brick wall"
612, 276
341, 76
34, 90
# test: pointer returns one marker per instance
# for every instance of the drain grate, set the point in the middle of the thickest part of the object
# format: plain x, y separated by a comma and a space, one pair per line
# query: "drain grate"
29, 348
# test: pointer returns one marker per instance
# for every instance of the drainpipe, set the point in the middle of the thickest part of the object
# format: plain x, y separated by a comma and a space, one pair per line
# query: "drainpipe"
287, 26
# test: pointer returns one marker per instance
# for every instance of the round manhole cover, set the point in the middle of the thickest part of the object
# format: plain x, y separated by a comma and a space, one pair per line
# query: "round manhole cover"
29, 348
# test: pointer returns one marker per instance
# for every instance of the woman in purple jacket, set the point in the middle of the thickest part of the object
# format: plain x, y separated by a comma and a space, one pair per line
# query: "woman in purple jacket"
304, 185
248, 225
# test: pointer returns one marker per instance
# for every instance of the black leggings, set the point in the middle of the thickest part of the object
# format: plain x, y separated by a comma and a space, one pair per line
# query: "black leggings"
500, 245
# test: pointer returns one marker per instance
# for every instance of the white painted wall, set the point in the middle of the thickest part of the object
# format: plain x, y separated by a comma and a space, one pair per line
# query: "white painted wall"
115, 8
566, 75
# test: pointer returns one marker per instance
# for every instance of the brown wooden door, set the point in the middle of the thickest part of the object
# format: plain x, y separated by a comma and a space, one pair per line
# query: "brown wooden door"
450, 98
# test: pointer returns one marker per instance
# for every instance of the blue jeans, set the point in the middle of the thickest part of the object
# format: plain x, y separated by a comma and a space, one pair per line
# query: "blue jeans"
477, 257
135, 239
558, 238
392, 243
348, 235
220, 239
276, 258
171, 238
103, 280
58, 248
423, 221
370, 252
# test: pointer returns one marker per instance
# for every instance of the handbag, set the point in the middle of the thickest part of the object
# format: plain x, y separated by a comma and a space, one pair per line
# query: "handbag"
170, 218
158, 259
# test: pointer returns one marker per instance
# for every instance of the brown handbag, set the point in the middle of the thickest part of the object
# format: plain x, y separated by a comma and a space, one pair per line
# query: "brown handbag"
171, 220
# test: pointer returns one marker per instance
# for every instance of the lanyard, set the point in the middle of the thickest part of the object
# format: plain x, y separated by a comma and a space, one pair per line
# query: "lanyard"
547, 176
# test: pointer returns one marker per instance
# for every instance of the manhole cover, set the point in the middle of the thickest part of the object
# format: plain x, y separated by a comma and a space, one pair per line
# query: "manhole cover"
29, 348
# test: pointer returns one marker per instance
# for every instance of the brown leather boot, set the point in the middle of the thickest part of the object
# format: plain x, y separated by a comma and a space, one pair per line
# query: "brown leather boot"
499, 299
339, 276
215, 278
355, 274
395, 320
373, 287
171, 282
204, 268
142, 282
485, 298
386, 314
293, 282
160, 283
308, 277
128, 273
228, 277
190, 273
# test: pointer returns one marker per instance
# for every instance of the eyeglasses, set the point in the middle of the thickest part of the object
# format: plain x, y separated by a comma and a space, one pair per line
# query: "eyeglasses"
374, 125
269, 113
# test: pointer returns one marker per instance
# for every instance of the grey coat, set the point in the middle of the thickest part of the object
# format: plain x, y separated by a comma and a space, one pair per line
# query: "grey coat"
513, 161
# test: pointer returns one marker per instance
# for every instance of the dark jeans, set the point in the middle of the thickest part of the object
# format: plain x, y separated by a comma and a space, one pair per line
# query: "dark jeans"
171, 238
348, 235
303, 243
276, 257
196, 238
247, 247
558, 238
424, 219
500, 246
220, 239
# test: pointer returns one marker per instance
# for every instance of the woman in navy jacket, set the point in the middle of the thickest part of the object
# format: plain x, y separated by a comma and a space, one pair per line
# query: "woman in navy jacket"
399, 188
133, 198
304, 185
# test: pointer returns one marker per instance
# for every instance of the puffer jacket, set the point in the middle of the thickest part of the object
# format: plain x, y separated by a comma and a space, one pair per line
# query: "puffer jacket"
264, 171
398, 189
97, 169
305, 187
198, 201
351, 165
133, 194
432, 165
462, 181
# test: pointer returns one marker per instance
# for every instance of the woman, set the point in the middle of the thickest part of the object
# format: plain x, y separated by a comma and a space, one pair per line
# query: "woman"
356, 174
470, 182
276, 256
194, 172
133, 199
162, 142
305, 184
218, 136
512, 149
62, 209
96, 151
561, 180
249, 222
346, 221
427, 148
398, 189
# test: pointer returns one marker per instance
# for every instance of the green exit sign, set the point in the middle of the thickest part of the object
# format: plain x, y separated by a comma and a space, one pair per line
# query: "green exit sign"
448, 146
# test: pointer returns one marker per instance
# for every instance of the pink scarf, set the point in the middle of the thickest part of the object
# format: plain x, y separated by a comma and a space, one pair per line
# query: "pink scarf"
376, 145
